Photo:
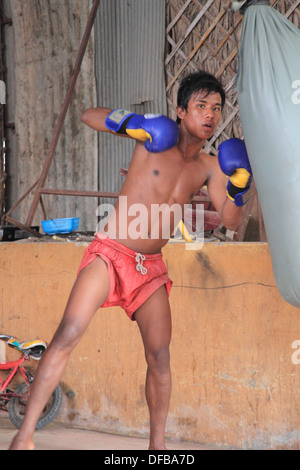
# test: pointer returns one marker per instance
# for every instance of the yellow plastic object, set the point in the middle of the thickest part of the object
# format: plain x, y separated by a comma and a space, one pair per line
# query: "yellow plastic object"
184, 232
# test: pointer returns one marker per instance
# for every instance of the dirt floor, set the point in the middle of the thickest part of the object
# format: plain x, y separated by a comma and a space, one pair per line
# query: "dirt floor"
58, 437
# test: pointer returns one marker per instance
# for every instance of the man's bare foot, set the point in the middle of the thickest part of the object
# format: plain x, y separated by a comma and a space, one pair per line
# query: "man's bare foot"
20, 443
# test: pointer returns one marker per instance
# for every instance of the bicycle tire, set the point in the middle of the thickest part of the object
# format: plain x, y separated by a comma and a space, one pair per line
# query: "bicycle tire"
16, 410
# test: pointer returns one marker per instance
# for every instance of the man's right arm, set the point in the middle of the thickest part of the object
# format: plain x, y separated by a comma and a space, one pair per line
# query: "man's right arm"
158, 133
95, 118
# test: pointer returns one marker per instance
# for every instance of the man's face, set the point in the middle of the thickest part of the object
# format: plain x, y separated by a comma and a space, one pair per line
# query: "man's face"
203, 114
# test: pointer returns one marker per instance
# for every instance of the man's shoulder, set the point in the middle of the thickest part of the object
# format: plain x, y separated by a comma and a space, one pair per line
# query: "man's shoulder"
212, 166
208, 158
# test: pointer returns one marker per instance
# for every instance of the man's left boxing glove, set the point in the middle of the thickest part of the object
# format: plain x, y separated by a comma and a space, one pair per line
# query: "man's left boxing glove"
234, 162
158, 132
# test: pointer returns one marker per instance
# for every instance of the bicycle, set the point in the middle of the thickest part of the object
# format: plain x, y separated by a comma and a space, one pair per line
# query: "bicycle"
14, 401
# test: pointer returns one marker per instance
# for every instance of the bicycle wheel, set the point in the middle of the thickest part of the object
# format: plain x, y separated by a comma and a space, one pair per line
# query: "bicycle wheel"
17, 407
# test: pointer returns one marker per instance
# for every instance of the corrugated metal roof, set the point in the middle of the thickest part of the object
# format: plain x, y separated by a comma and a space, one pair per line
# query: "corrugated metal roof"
130, 45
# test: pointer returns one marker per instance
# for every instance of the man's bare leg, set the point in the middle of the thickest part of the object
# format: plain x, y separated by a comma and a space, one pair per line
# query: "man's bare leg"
154, 321
88, 294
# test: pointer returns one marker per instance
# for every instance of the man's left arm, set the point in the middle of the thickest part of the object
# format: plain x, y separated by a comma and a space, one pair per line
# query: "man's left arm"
229, 202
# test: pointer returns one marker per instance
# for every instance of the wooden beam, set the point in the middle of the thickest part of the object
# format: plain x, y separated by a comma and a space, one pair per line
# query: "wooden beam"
73, 192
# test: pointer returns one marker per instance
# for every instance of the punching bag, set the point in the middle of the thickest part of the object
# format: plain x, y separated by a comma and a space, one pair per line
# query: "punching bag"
269, 101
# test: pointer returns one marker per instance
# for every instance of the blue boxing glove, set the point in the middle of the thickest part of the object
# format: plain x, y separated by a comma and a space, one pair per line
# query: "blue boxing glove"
158, 132
234, 162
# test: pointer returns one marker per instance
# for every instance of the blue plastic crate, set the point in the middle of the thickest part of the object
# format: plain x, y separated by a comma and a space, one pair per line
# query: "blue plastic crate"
53, 226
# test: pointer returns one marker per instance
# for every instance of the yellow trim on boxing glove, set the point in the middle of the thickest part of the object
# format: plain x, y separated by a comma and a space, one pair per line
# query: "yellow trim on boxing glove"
240, 178
139, 134
229, 197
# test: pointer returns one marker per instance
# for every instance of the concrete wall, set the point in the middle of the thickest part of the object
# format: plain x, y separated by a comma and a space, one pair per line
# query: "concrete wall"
235, 373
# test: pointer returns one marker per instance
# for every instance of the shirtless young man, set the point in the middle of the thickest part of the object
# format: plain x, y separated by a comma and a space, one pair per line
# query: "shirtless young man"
171, 173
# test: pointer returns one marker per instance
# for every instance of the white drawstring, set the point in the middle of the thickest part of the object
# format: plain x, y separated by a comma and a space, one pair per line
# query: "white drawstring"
139, 267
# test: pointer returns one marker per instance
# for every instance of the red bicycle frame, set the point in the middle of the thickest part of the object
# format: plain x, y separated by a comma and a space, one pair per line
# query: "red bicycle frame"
15, 366
14, 400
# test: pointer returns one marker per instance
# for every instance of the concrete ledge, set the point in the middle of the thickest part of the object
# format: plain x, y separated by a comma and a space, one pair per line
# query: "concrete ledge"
235, 381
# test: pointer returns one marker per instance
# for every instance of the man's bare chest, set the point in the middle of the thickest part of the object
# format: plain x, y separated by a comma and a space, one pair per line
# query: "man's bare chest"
179, 181
164, 178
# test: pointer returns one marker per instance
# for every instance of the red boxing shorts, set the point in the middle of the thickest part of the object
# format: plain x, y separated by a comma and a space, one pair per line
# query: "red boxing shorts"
134, 277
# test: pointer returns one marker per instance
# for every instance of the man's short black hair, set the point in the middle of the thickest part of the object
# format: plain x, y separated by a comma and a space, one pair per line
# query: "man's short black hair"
195, 82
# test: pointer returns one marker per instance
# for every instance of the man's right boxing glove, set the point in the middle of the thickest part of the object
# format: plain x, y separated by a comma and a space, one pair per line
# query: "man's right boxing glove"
234, 162
158, 132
